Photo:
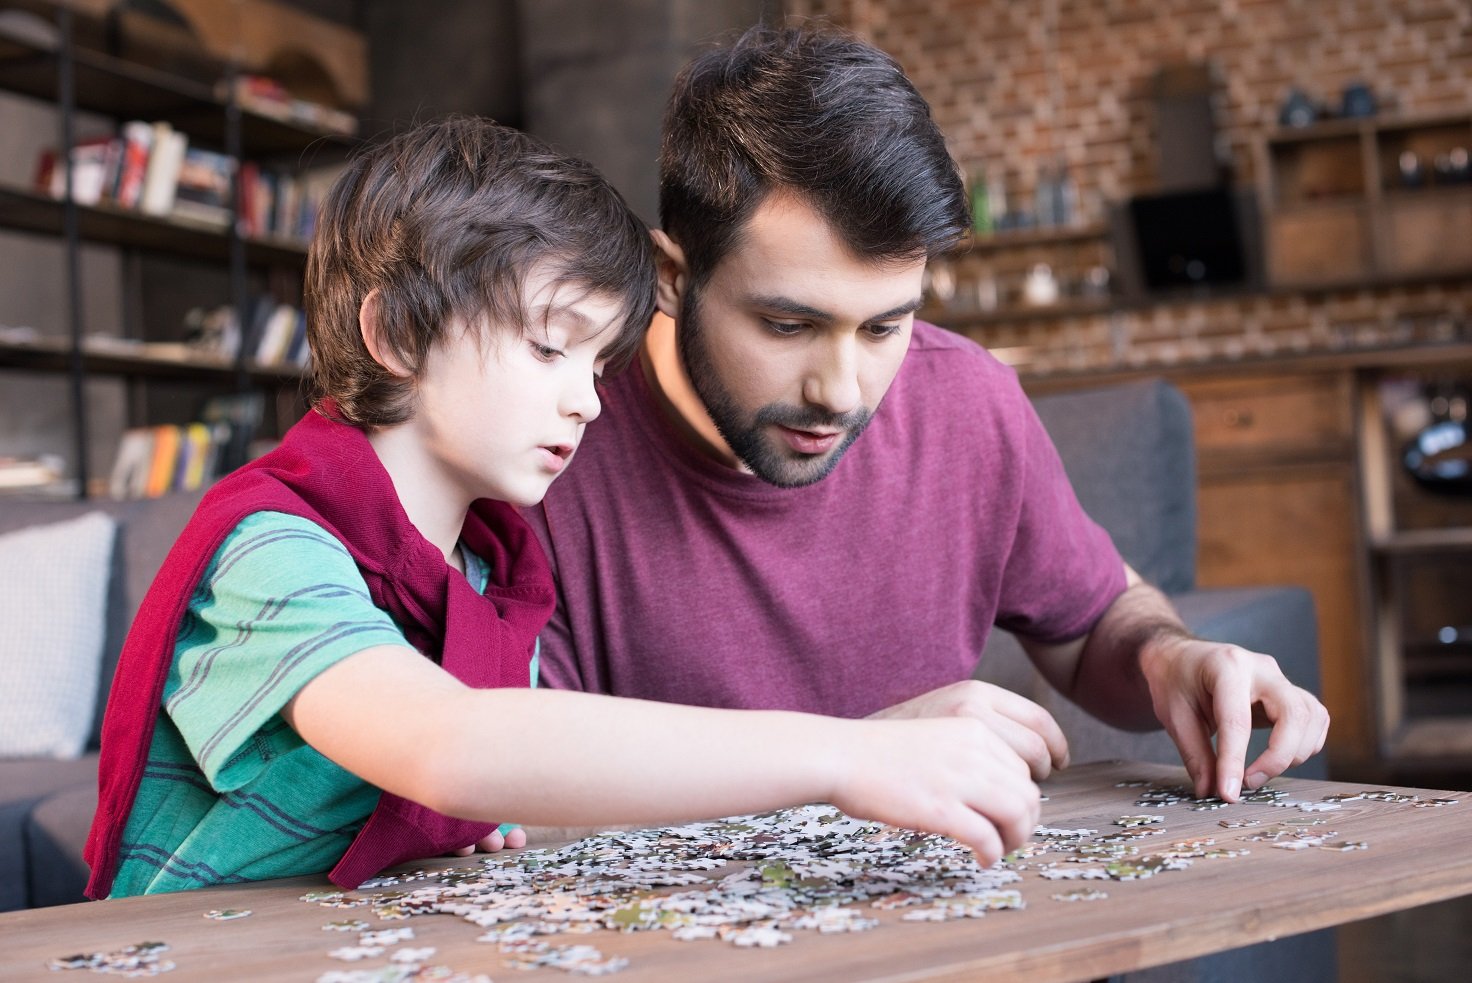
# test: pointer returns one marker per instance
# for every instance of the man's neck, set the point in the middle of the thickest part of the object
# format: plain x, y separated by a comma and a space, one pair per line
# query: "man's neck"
659, 359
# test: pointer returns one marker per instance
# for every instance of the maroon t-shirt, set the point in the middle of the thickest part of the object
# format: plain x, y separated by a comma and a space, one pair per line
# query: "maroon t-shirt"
686, 581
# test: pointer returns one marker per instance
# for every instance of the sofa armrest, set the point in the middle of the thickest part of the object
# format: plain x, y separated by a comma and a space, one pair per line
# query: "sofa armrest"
1276, 620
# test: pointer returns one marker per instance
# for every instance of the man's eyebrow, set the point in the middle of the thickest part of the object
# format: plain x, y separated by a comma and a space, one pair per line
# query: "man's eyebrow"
785, 305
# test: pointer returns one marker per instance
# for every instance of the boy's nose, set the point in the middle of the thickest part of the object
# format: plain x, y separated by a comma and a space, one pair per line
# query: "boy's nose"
582, 403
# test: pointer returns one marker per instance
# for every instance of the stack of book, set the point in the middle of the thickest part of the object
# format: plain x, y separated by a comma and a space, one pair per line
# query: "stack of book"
30, 473
152, 168
276, 334
268, 97
153, 461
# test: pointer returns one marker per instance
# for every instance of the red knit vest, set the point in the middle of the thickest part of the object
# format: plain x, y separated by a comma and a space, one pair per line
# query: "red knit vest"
327, 472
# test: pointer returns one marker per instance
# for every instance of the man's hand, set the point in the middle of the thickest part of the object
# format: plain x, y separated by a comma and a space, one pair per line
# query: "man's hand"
1028, 729
1201, 688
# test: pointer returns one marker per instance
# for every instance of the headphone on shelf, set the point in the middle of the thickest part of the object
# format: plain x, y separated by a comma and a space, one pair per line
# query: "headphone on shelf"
1440, 456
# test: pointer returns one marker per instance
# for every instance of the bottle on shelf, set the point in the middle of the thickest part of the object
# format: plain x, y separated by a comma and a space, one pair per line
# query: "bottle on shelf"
981, 213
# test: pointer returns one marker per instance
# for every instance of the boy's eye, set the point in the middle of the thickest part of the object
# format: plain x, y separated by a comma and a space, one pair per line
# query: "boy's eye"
545, 352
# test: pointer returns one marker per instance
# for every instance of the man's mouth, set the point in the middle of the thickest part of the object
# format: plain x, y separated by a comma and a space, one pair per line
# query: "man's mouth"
809, 441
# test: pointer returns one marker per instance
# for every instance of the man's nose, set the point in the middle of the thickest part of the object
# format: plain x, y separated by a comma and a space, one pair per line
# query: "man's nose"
833, 377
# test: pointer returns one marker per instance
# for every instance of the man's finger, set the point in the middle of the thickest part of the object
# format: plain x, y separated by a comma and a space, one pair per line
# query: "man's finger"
1194, 743
1231, 701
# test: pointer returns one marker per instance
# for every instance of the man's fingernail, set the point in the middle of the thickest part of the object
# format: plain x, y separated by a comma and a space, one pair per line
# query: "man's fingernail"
1233, 788
1256, 780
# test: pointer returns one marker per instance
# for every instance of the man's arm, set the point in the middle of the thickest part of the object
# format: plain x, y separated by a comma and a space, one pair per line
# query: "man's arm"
1139, 668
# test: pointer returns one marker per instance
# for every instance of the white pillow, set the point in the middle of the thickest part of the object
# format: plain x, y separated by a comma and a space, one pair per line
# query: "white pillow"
53, 618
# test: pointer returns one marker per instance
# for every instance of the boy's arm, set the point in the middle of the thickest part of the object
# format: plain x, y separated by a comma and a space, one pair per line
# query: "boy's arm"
550, 758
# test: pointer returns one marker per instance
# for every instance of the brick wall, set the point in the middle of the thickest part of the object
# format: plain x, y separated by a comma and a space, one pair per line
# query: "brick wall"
1015, 83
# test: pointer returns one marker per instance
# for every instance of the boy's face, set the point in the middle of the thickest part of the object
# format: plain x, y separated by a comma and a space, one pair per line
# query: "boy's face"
500, 412
793, 340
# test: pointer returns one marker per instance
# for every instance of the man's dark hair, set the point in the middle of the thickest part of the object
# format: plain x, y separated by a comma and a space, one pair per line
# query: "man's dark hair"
814, 111
445, 221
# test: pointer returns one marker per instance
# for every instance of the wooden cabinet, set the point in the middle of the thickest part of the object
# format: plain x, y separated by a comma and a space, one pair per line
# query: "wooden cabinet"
1301, 480
1354, 201
1277, 504
1420, 562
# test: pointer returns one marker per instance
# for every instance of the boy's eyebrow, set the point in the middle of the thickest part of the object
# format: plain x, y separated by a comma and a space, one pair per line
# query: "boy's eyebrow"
566, 316
786, 305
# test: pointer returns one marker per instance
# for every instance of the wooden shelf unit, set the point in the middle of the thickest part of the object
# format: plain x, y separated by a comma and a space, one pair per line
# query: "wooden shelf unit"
1003, 259
41, 60
1421, 577
1337, 209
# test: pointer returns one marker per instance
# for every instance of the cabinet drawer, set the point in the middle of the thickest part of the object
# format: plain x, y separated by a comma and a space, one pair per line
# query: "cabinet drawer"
1306, 413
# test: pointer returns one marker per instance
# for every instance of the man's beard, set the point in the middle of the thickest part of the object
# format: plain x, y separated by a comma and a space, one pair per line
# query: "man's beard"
748, 438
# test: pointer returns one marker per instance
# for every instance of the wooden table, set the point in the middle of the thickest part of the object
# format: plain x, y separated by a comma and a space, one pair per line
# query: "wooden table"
1414, 856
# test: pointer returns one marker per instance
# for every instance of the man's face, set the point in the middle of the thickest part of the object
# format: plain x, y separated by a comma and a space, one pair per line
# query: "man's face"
793, 341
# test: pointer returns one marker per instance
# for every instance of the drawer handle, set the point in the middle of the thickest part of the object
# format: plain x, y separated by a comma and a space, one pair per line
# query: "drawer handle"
1240, 419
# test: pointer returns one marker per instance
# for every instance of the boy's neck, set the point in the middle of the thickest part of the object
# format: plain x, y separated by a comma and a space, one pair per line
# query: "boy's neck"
438, 514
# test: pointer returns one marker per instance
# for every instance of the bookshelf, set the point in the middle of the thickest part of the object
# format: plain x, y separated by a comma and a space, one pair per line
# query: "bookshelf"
41, 59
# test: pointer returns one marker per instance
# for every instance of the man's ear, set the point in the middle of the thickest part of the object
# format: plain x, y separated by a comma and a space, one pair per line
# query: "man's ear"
674, 275
372, 330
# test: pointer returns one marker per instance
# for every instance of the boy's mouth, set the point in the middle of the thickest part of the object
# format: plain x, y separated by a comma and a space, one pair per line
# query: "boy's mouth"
555, 456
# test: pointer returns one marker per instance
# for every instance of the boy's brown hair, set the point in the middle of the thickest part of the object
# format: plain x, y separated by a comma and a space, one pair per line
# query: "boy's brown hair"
445, 220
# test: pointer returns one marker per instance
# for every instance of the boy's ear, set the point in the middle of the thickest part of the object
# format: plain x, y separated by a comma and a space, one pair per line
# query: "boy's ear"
371, 328
673, 273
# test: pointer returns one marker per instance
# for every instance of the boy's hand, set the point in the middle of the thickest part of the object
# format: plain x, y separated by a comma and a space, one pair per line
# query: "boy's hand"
507, 837
1027, 728
949, 775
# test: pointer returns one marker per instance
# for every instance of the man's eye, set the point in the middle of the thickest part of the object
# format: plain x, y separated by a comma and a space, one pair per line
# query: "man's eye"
544, 352
784, 328
883, 330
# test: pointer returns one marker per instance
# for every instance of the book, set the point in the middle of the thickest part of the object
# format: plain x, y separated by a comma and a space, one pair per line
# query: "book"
25, 472
137, 137
204, 187
162, 177
129, 477
165, 462
276, 338
241, 415
89, 164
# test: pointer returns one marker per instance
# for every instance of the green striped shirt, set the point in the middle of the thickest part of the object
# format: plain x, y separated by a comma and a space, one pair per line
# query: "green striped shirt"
230, 793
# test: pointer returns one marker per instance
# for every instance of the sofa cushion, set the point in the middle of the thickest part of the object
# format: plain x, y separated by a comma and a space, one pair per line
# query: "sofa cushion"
56, 833
24, 783
1129, 452
147, 529
53, 604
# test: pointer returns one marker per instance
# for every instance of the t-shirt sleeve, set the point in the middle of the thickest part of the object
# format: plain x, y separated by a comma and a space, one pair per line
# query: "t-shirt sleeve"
281, 601
1063, 570
556, 660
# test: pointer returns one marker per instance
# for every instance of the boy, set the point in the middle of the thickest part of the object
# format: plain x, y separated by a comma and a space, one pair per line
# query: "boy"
334, 659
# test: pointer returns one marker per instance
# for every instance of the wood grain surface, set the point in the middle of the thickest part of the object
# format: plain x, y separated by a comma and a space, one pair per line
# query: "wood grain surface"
1414, 856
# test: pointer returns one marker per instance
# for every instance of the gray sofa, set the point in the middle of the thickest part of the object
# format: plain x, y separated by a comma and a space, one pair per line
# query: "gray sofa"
1129, 452
46, 805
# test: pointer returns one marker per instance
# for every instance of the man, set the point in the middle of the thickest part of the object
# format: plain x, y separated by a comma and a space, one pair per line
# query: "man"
802, 498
